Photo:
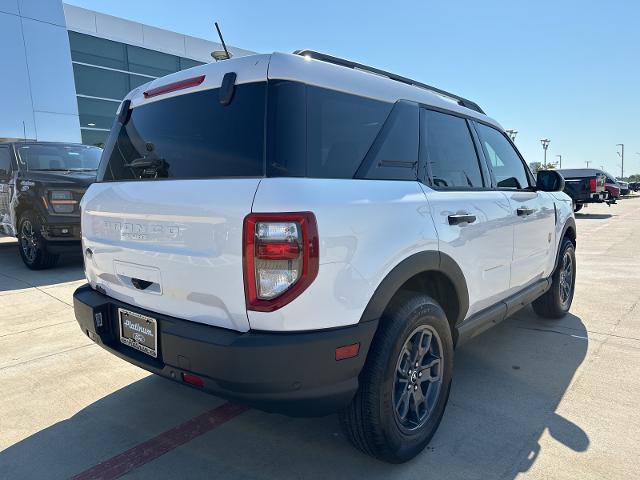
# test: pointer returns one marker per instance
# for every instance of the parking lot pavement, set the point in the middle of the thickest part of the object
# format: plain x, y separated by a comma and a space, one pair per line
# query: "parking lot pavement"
531, 398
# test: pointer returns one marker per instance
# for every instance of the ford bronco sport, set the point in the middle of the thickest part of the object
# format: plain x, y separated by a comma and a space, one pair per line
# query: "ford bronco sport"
309, 235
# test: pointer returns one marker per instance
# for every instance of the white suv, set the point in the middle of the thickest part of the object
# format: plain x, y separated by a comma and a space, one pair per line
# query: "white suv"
309, 235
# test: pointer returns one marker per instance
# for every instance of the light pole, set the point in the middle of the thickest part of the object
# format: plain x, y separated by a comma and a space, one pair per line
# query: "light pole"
545, 144
588, 162
512, 134
622, 157
560, 157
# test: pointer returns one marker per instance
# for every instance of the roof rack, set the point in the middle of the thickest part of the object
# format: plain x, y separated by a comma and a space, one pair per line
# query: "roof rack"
358, 66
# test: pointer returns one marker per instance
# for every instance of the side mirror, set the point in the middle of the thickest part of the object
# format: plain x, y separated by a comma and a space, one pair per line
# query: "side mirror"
549, 181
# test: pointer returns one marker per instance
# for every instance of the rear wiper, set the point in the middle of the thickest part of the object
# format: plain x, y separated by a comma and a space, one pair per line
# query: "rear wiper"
151, 167
145, 162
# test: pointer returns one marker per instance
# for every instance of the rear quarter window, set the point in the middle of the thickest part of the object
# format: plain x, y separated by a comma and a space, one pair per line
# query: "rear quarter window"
320, 133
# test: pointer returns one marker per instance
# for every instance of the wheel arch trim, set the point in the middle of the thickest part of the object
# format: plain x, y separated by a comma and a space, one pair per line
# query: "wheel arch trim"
421, 262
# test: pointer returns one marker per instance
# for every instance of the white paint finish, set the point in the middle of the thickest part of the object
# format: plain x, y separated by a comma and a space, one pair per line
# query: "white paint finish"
57, 127
15, 95
315, 72
9, 6
163, 40
482, 249
190, 230
50, 71
248, 69
49, 11
534, 239
366, 228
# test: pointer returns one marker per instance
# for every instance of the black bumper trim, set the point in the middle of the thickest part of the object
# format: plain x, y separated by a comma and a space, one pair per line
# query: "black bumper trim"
290, 373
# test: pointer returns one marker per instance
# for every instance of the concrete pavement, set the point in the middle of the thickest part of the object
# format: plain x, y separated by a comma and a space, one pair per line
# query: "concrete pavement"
531, 398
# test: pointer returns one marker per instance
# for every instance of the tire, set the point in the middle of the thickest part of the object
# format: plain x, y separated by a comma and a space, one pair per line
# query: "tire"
372, 422
33, 248
556, 302
577, 207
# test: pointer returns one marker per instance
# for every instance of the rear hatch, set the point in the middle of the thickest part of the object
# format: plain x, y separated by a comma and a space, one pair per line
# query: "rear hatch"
178, 175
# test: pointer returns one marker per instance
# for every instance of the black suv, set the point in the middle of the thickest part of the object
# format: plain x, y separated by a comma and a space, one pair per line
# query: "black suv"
41, 185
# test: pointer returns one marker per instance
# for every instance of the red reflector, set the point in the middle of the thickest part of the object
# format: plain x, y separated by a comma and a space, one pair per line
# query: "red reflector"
193, 379
348, 351
172, 87
592, 185
277, 251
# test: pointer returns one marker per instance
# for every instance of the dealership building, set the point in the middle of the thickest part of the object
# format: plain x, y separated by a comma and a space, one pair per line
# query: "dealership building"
66, 68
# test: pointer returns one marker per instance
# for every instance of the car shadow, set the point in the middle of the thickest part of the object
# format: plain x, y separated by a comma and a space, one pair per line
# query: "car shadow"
508, 383
14, 274
594, 216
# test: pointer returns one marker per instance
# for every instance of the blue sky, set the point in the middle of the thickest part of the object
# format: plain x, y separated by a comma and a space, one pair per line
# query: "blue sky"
567, 70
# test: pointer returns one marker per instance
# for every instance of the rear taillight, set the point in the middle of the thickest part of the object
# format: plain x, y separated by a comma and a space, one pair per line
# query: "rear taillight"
592, 185
281, 259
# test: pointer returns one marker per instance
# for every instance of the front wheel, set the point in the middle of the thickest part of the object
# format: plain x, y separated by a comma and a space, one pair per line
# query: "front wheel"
556, 302
33, 248
404, 386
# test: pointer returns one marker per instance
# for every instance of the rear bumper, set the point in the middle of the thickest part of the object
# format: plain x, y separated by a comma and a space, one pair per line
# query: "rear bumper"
289, 373
598, 197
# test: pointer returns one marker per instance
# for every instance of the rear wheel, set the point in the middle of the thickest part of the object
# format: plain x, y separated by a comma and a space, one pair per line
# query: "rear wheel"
577, 207
405, 383
556, 302
33, 248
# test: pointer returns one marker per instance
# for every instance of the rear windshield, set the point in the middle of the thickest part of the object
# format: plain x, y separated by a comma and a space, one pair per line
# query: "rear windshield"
190, 136
51, 157
283, 129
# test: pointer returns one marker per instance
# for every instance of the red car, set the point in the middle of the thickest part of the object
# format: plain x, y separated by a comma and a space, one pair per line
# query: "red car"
612, 186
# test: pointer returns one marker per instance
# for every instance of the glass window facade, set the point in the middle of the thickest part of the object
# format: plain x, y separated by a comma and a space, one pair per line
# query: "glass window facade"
105, 71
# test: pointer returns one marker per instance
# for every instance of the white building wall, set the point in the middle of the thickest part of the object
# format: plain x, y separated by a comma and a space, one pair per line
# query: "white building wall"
117, 29
37, 90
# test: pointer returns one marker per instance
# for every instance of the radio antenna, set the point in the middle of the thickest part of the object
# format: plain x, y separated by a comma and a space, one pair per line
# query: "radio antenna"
218, 55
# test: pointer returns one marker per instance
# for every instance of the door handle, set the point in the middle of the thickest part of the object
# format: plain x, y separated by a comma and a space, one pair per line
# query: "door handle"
525, 212
459, 218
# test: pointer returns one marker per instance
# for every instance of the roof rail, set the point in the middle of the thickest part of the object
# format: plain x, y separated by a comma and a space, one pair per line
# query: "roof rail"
358, 66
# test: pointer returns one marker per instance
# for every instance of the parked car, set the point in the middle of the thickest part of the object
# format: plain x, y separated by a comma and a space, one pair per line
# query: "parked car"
635, 186
613, 187
584, 185
624, 187
308, 235
41, 185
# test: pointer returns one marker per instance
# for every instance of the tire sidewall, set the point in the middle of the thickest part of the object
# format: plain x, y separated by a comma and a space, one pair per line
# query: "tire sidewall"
39, 240
407, 445
567, 246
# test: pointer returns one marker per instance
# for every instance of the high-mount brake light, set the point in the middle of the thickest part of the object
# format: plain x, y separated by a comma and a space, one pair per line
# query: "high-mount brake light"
592, 185
281, 258
174, 86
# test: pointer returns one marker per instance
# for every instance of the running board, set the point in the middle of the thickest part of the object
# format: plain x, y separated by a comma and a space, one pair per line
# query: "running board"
481, 321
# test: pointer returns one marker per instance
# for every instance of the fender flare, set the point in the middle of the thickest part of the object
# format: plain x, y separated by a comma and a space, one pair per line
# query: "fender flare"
428, 261
569, 224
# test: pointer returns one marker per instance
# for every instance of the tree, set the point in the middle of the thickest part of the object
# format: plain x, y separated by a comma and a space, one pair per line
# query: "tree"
537, 166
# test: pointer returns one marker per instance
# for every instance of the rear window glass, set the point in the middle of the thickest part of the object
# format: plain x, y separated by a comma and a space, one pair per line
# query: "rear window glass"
190, 136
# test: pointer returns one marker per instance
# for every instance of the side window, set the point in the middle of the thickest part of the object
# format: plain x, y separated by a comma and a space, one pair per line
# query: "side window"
5, 162
508, 168
450, 154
